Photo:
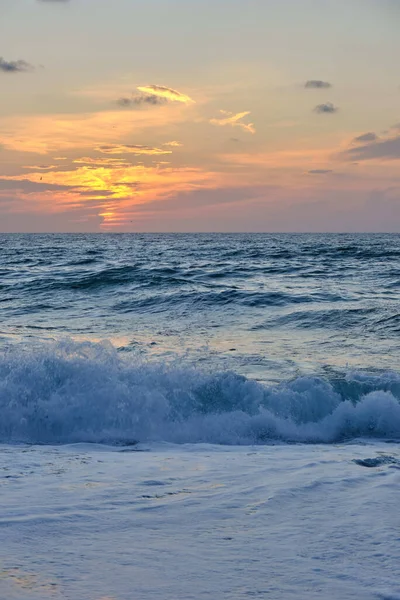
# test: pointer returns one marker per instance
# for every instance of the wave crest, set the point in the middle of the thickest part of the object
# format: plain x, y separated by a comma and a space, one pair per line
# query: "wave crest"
69, 392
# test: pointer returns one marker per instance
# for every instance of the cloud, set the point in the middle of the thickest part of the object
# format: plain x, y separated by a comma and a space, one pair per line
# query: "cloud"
142, 100
190, 200
166, 93
173, 144
276, 164
100, 161
153, 95
366, 137
320, 171
25, 184
132, 149
326, 109
234, 120
41, 167
118, 190
317, 84
14, 66
59, 133
388, 149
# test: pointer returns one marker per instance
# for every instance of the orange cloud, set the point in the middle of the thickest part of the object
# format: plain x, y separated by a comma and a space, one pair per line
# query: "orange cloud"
112, 162
41, 167
132, 149
118, 188
43, 134
234, 120
165, 92
173, 144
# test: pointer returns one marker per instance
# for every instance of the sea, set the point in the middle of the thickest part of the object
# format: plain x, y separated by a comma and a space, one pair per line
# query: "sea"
199, 416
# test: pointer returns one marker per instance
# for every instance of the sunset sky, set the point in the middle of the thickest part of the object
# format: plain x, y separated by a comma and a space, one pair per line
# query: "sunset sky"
199, 115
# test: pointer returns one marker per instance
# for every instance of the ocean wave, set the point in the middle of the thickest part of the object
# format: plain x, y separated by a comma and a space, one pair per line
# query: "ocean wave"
68, 392
324, 319
225, 297
365, 319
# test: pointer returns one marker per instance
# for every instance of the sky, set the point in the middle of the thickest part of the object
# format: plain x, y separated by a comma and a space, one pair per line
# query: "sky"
199, 115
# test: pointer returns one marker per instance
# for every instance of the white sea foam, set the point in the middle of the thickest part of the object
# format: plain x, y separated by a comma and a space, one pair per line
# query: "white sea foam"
70, 392
200, 521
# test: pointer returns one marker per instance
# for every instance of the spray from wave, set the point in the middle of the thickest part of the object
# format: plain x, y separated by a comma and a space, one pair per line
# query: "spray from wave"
69, 392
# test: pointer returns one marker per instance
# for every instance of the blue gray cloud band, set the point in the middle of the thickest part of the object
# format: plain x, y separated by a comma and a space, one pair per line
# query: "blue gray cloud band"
141, 100
326, 109
317, 84
14, 66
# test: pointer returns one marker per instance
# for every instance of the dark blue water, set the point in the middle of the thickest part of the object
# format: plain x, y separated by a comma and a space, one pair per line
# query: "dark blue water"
274, 309
271, 305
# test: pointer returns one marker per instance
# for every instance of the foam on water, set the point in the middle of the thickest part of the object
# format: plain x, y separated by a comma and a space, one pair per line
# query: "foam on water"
69, 392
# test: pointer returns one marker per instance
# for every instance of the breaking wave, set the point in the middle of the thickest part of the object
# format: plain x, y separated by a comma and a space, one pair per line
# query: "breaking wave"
69, 392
